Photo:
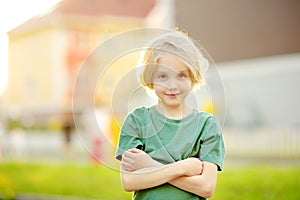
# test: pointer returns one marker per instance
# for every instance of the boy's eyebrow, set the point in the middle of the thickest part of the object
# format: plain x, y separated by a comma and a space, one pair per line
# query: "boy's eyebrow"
185, 71
160, 71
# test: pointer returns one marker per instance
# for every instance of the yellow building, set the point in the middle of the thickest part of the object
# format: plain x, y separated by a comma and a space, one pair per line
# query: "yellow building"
46, 52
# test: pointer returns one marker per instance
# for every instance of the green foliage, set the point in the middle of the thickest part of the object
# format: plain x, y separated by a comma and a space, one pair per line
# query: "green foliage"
260, 182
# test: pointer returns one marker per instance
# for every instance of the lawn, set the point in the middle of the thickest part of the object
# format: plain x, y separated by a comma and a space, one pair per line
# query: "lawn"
260, 182
90, 181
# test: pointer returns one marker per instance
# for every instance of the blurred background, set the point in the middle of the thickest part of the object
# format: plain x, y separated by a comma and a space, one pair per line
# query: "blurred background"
255, 44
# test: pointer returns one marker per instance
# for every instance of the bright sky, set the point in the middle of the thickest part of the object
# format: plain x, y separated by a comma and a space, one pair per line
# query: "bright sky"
12, 14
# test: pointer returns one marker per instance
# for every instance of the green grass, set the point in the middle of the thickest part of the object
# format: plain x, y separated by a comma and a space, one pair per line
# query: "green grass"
80, 181
265, 182
259, 182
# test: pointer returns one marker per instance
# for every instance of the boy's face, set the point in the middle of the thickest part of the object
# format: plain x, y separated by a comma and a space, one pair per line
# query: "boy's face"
171, 81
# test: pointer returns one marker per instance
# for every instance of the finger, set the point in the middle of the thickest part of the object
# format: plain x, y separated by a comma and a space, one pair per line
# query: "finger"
127, 167
128, 158
125, 159
132, 151
128, 154
125, 163
135, 150
202, 167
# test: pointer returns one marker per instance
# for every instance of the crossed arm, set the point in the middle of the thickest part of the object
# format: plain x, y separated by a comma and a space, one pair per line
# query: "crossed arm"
140, 171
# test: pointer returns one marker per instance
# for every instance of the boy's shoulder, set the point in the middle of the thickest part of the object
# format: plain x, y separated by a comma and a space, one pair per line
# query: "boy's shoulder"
139, 110
207, 118
204, 114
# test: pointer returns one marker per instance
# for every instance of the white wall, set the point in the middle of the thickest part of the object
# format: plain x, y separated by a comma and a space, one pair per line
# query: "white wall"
262, 92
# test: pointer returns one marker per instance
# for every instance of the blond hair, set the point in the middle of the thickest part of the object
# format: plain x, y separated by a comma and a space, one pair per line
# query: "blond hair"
179, 44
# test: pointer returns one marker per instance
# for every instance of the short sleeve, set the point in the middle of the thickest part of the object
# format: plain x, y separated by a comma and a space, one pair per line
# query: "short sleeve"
212, 144
129, 136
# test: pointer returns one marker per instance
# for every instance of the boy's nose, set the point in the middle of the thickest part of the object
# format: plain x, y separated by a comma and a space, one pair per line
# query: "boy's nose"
171, 84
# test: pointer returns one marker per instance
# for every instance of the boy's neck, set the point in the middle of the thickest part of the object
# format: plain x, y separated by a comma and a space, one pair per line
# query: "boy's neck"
174, 112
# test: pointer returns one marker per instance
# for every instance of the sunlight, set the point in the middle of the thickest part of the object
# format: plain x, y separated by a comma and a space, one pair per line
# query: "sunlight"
12, 14
3, 62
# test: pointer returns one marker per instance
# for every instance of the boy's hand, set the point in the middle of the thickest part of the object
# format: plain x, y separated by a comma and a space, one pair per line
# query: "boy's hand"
192, 166
135, 159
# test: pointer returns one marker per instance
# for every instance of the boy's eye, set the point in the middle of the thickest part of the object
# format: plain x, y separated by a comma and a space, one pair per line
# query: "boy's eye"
162, 76
182, 75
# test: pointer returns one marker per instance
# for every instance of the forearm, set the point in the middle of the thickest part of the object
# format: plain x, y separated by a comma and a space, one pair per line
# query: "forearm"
140, 171
150, 177
202, 185
193, 184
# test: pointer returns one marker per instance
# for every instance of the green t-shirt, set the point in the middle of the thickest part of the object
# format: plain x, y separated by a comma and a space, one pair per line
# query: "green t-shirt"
169, 140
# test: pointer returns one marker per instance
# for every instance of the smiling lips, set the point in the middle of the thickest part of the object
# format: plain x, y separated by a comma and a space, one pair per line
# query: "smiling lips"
172, 95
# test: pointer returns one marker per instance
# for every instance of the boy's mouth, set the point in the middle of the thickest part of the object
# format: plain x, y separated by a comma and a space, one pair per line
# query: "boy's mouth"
172, 95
